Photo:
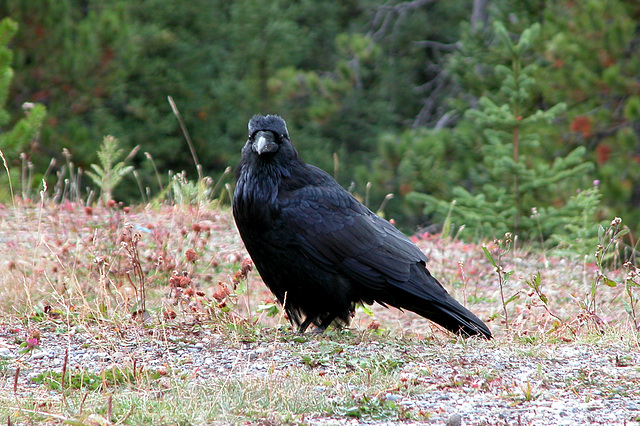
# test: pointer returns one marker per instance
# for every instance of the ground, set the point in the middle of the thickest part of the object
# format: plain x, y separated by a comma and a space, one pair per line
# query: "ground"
211, 347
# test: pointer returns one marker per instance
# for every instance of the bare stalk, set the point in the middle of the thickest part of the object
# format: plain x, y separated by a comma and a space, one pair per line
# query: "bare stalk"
176, 112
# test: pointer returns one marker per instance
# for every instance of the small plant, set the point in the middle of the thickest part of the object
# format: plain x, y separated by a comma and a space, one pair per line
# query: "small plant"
535, 284
632, 283
503, 247
110, 172
32, 343
528, 393
269, 307
220, 306
607, 248
134, 273
371, 408
184, 191
576, 231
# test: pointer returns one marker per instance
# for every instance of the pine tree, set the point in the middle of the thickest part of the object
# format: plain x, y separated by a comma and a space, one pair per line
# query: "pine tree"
591, 50
513, 177
112, 169
26, 129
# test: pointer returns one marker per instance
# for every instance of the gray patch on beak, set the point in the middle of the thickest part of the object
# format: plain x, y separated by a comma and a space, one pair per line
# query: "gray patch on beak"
264, 143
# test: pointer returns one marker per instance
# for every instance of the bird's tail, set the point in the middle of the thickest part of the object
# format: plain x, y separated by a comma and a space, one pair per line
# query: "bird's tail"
425, 296
456, 318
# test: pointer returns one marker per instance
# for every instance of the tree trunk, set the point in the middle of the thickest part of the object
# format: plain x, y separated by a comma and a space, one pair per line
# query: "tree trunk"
479, 14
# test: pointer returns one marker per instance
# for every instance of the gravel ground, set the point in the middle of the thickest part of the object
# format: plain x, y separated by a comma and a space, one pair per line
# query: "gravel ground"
579, 380
482, 383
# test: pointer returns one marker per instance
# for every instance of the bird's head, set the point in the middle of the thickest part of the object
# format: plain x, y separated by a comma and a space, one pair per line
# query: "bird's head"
267, 134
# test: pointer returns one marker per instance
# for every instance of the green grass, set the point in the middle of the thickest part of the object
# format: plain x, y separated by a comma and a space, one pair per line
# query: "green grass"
90, 381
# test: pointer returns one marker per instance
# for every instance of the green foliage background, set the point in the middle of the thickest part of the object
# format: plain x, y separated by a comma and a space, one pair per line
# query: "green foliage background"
413, 97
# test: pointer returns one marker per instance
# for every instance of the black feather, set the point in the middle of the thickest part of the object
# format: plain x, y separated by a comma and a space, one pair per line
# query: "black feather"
320, 250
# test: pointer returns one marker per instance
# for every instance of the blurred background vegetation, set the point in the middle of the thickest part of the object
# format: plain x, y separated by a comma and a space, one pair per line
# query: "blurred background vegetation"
526, 113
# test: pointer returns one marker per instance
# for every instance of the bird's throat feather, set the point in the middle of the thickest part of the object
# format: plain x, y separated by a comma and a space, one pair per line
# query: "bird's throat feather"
257, 193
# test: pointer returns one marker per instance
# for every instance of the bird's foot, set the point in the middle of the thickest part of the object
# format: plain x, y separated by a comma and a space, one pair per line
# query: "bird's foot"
317, 331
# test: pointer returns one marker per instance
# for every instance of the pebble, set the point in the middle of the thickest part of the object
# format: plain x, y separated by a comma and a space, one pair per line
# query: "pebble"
39, 354
100, 356
454, 420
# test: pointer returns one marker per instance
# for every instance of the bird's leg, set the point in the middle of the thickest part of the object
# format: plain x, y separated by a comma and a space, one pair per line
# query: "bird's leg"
326, 323
305, 324
319, 329
323, 325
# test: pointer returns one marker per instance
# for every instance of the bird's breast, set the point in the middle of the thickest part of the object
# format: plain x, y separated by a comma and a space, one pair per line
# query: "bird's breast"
255, 205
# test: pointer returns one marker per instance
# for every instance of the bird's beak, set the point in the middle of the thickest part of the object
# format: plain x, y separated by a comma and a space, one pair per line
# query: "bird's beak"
263, 142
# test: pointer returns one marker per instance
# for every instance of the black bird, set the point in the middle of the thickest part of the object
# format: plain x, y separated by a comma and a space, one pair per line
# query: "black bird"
319, 250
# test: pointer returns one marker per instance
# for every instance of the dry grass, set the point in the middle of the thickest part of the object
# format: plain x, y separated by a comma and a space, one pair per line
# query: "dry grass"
150, 283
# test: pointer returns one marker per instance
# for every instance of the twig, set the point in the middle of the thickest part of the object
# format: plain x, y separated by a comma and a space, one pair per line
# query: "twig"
174, 108
217, 185
501, 281
124, 419
155, 169
447, 47
15, 380
109, 407
55, 416
6, 167
64, 368
84, 397
387, 12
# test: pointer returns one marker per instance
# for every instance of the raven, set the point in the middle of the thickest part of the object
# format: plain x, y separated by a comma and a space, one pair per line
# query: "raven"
319, 250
